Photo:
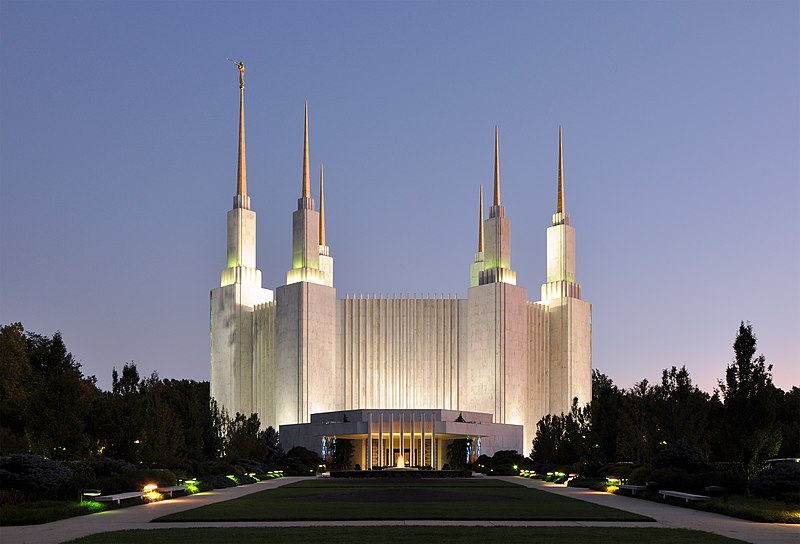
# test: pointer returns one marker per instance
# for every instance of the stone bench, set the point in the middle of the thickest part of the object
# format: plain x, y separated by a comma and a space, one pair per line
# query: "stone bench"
634, 489
119, 497
171, 489
685, 496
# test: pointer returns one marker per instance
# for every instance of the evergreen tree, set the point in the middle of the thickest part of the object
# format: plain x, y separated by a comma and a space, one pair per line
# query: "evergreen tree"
750, 402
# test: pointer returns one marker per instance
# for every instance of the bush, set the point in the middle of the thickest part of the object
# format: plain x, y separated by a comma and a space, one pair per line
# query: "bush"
32, 474
215, 481
245, 479
675, 479
208, 468
616, 470
731, 478
639, 475
781, 481
681, 455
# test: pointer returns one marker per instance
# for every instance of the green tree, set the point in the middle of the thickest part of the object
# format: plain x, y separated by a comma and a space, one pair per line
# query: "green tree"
15, 375
750, 402
59, 399
457, 454
242, 439
607, 414
789, 421
637, 439
548, 445
343, 454
272, 442
681, 410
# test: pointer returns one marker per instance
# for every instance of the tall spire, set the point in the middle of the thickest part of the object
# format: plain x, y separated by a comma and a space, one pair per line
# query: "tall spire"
241, 200
560, 208
496, 167
322, 205
306, 171
480, 221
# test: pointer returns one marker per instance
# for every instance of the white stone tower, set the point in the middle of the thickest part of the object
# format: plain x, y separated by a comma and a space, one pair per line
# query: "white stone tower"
240, 290
570, 317
305, 330
496, 373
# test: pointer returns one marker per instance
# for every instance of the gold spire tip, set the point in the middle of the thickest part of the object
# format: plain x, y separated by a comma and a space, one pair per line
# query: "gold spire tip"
496, 166
306, 169
560, 204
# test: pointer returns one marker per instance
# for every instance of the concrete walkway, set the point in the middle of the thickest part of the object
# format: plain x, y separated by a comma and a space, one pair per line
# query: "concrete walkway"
676, 517
139, 517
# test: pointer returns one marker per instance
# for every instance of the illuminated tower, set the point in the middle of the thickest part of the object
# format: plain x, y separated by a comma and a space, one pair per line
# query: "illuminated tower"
496, 367
570, 317
306, 377
240, 290
497, 256
305, 229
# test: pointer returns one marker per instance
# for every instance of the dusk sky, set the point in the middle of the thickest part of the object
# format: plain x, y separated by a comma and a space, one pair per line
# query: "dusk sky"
118, 145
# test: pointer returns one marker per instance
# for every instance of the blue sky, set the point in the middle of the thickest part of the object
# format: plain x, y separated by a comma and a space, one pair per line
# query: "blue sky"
681, 124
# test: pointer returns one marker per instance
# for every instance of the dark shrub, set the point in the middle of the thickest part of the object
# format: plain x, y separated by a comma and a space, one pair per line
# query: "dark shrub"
681, 455
245, 479
616, 470
32, 474
731, 478
301, 462
135, 480
214, 467
482, 464
639, 475
675, 479
216, 481
582, 481
781, 481
248, 465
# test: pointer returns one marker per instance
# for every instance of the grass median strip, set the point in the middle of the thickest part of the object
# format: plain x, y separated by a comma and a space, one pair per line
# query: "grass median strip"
410, 535
327, 500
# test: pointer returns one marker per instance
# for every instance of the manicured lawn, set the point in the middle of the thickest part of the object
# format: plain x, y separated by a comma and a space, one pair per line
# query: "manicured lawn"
753, 508
409, 535
320, 499
33, 513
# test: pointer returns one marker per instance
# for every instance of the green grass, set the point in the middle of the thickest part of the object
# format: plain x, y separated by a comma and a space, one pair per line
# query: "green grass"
753, 508
409, 535
33, 513
402, 500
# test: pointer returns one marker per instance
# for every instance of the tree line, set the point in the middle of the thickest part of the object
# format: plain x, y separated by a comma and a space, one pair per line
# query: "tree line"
746, 420
48, 407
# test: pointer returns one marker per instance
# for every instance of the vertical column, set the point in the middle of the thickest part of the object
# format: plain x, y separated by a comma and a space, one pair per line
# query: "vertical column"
391, 441
369, 443
434, 449
402, 435
411, 457
422, 438
380, 442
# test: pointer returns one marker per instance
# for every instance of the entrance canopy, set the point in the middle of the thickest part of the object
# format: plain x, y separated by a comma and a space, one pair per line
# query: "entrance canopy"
388, 437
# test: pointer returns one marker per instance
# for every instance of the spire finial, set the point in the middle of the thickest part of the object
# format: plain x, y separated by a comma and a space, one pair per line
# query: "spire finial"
496, 167
306, 171
560, 208
321, 205
241, 174
480, 221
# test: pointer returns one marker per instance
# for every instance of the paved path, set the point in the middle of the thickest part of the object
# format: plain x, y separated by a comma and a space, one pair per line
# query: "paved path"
139, 517
677, 517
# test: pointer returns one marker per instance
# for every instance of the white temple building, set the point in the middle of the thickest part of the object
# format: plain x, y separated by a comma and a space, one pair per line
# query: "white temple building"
401, 376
